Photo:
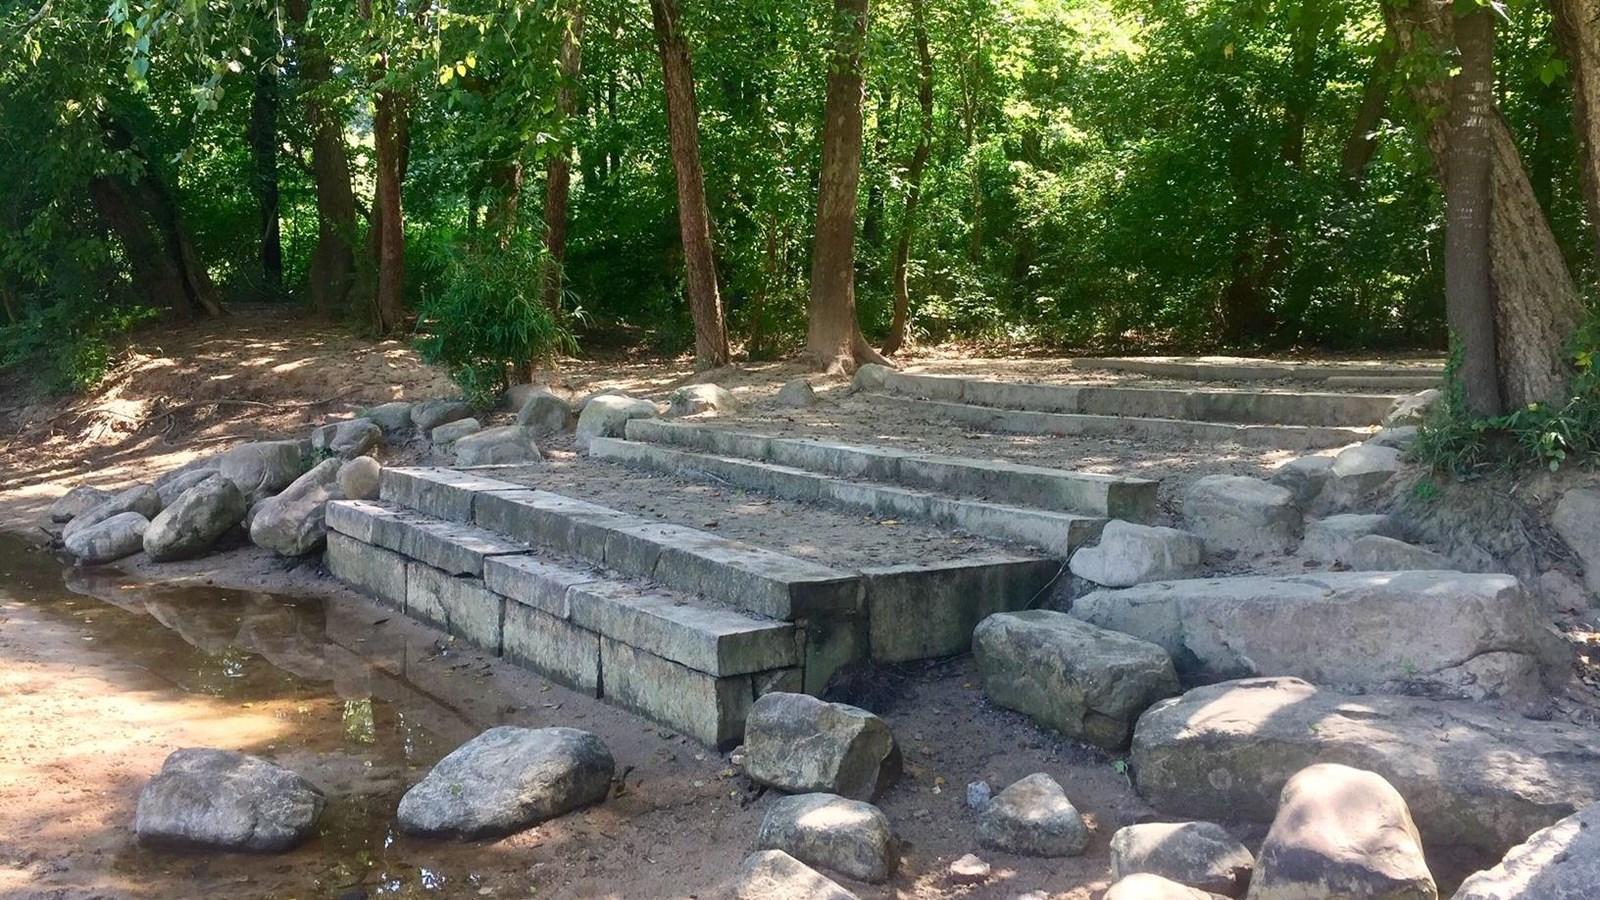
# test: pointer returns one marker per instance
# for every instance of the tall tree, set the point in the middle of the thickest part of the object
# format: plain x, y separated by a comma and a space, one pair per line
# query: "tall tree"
558, 169
694, 217
919, 161
263, 135
331, 272
1577, 26
1469, 180
833, 339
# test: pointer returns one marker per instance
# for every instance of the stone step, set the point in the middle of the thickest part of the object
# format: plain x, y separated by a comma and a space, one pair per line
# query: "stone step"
1084, 493
1053, 532
1216, 405
1011, 421
677, 659
1237, 369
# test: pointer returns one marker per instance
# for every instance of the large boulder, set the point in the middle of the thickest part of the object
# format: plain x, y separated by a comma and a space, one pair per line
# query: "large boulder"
170, 489
1412, 410
76, 502
608, 416
775, 875
695, 399
850, 837
1561, 862
1328, 540
1130, 554
1376, 553
263, 468
500, 446
1033, 817
1577, 522
508, 779
1245, 515
393, 417
119, 536
799, 744
1342, 832
1452, 632
1360, 470
141, 498
221, 800
1066, 674
1144, 886
797, 393
430, 414
1200, 855
870, 377
195, 521
292, 523
447, 434
546, 413
347, 440
1477, 778
1304, 478
359, 478
1400, 437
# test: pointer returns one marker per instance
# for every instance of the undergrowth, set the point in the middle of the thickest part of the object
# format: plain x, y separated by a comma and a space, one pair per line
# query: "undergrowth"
66, 348
1547, 435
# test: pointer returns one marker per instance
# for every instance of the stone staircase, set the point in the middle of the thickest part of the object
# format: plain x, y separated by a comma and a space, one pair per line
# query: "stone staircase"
682, 625
1399, 376
1282, 419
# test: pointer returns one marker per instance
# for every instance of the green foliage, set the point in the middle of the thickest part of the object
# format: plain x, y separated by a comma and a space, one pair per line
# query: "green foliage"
487, 321
65, 348
1547, 435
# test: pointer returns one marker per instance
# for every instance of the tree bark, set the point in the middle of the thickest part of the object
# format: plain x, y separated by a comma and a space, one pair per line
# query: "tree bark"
1576, 25
694, 217
1536, 304
834, 341
1362, 143
389, 127
505, 178
263, 135
919, 161
1469, 174
558, 170
332, 270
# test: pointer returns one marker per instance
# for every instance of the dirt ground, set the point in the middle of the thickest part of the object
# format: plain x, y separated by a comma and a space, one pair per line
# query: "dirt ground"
110, 670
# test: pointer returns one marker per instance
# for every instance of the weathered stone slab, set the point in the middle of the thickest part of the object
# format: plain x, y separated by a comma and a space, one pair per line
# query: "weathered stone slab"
1561, 862
1477, 778
534, 582
1471, 634
710, 639
775, 875
374, 571
456, 548
1328, 540
561, 523
924, 611
709, 709
365, 520
1130, 554
1242, 514
438, 492
461, 606
554, 648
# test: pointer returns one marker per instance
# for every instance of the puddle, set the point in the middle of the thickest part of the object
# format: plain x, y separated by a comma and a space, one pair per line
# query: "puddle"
321, 688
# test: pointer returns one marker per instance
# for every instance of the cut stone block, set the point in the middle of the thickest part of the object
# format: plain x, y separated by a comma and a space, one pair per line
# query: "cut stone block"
926, 611
461, 606
374, 571
709, 709
709, 639
533, 582
1245, 515
441, 493
556, 649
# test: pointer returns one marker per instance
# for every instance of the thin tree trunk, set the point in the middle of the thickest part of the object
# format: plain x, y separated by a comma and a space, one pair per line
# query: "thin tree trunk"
833, 340
919, 161
263, 134
389, 127
1362, 143
694, 218
558, 170
1576, 25
1469, 168
505, 178
332, 270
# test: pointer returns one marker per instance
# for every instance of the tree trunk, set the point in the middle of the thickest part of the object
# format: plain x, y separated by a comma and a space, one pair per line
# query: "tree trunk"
332, 271
152, 270
919, 161
1576, 25
1536, 304
834, 341
263, 135
558, 170
389, 127
1469, 171
505, 179
694, 218
1362, 143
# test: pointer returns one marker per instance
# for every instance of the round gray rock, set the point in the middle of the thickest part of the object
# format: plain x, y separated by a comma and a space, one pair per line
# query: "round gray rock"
608, 415
1154, 887
430, 414
347, 440
500, 446
799, 744
797, 394
545, 412
1246, 515
119, 536
359, 478
1033, 817
1342, 832
263, 468
1376, 553
775, 875
1413, 410
1328, 540
697, 399
221, 800
1199, 855
1130, 554
1362, 469
294, 522
172, 488
195, 521
850, 837
393, 417
76, 502
1577, 521
450, 432
506, 780
1304, 477
141, 498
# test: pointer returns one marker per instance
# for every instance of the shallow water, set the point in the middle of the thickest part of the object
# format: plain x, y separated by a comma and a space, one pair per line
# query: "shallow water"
336, 687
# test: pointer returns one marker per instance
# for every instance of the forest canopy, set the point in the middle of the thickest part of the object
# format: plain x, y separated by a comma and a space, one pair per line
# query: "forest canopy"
501, 176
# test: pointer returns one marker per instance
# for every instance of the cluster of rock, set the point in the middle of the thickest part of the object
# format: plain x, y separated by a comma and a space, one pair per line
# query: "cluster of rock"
505, 780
